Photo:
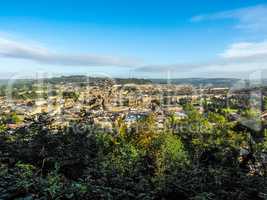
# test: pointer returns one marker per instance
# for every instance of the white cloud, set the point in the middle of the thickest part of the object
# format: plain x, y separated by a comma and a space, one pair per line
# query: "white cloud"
236, 61
246, 50
251, 18
242, 57
28, 51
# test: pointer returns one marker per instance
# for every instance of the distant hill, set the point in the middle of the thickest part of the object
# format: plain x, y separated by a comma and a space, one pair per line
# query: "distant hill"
77, 79
215, 82
86, 79
196, 82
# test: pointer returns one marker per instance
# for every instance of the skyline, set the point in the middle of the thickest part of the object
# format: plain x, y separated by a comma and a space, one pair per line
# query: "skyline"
144, 40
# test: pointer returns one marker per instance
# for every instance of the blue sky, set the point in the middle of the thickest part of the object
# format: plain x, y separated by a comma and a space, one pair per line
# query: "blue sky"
151, 39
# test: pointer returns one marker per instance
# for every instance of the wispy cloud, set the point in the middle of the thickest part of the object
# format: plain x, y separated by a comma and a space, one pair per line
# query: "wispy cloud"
246, 50
28, 51
235, 61
250, 18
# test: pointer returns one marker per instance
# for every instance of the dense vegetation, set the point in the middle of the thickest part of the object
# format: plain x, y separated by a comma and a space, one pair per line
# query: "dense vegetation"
191, 158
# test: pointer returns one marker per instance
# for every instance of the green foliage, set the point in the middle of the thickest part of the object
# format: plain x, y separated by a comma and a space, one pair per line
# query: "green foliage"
143, 132
196, 157
251, 119
123, 158
52, 184
170, 154
265, 103
25, 175
3, 127
11, 118
70, 95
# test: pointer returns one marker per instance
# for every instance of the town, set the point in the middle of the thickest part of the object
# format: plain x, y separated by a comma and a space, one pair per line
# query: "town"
101, 102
